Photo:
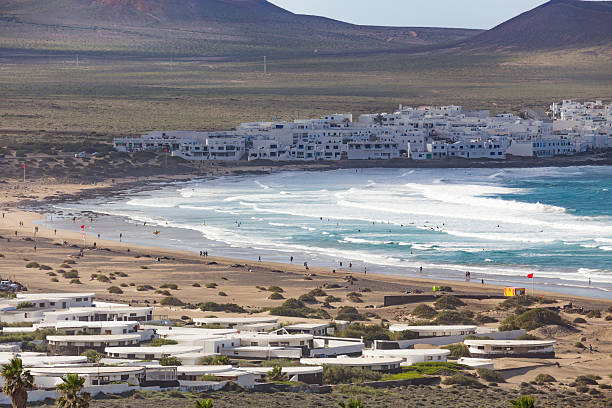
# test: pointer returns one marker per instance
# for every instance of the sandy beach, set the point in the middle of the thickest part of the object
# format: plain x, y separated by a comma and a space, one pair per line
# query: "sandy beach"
236, 281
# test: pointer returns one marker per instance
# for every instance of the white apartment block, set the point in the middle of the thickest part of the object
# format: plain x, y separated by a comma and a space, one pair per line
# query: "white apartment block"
418, 133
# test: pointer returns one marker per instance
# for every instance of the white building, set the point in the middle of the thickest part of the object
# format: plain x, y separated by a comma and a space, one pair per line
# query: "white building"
435, 331
373, 363
511, 348
410, 356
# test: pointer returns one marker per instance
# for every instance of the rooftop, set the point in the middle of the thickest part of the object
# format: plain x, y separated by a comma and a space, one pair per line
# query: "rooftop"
94, 337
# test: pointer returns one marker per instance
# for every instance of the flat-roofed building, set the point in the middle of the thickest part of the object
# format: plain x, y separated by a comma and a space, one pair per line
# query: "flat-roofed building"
410, 356
93, 375
374, 363
511, 348
75, 345
435, 331
308, 375
315, 329
231, 322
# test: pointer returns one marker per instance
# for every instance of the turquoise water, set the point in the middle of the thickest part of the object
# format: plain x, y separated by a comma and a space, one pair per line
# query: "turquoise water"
499, 224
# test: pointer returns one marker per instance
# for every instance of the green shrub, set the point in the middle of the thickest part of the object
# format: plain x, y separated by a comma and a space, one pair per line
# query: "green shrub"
317, 292
424, 312
368, 332
196, 285
32, 265
579, 345
347, 375
436, 368
490, 375
448, 302
170, 361
594, 314
354, 297
51, 273
171, 301
92, 355
587, 379
114, 289
45, 268
307, 298
102, 278
69, 261
222, 294
211, 285
214, 360
332, 299
528, 337
172, 286
54, 280
457, 350
276, 296
544, 378
463, 380
121, 274
523, 402
517, 301
163, 292
73, 274
144, 288
75, 281
162, 342
210, 377
24, 305
349, 313
124, 285
532, 319
276, 289
455, 317
224, 307
579, 320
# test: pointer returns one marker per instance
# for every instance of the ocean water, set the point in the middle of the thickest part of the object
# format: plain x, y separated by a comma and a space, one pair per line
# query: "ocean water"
499, 224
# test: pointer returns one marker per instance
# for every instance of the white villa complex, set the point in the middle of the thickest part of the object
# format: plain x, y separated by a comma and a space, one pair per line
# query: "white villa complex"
423, 133
131, 350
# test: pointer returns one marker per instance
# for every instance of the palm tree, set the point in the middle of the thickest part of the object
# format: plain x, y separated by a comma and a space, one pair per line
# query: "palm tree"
207, 403
524, 402
277, 374
17, 382
352, 403
69, 391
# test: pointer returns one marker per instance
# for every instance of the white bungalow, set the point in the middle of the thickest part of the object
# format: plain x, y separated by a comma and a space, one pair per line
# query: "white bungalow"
57, 300
232, 322
410, 356
101, 312
308, 375
263, 352
511, 348
49, 377
149, 353
373, 363
75, 345
434, 331
315, 329
77, 327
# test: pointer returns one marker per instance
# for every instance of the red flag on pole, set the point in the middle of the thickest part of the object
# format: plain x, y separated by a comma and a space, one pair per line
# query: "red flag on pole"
82, 227
530, 276
23, 166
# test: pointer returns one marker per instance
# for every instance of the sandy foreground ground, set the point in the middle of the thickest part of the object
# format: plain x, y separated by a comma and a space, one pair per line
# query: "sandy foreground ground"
237, 282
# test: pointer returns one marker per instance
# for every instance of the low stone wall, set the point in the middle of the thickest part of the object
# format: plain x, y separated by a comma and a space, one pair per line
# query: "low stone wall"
407, 299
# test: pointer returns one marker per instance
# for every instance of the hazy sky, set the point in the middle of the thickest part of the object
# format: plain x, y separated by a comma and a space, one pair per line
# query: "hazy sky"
414, 13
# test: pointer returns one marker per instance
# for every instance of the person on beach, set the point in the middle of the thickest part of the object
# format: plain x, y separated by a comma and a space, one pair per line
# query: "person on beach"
120, 236
351, 265
291, 259
420, 269
341, 264
482, 281
259, 258
365, 270
54, 232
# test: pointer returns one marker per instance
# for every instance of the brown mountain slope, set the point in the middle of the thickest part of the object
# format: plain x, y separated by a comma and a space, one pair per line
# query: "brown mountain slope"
558, 24
196, 27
